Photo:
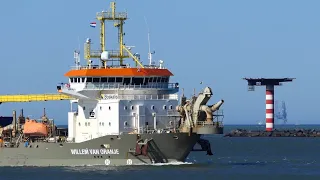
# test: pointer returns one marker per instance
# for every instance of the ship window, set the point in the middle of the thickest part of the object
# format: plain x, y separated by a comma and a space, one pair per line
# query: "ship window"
152, 107
132, 107
100, 107
147, 123
109, 107
150, 79
111, 79
79, 124
71, 80
126, 81
85, 124
164, 107
170, 122
159, 79
146, 80
102, 123
125, 107
170, 107
96, 80
83, 79
89, 79
88, 123
119, 79
163, 79
104, 79
79, 80
125, 123
109, 123
84, 108
154, 79
137, 81
75, 80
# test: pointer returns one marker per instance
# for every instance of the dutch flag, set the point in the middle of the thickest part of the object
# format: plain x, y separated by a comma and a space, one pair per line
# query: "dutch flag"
93, 24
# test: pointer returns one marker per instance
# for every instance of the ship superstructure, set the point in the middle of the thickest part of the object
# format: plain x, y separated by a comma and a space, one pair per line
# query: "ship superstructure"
113, 97
124, 114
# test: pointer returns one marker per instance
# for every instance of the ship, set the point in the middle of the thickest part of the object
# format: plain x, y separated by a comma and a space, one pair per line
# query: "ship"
124, 114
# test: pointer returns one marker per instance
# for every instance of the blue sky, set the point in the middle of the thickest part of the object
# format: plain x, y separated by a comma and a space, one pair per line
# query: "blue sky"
217, 42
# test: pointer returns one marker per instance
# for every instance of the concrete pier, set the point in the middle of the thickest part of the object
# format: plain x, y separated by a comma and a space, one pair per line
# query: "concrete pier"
274, 133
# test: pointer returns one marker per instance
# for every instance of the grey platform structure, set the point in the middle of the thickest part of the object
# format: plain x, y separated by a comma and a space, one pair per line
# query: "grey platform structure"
269, 83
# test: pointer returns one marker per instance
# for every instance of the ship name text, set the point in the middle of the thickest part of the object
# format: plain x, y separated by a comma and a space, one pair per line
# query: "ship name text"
93, 151
109, 96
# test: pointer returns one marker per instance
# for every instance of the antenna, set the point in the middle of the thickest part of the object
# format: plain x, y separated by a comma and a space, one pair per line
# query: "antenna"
149, 52
76, 54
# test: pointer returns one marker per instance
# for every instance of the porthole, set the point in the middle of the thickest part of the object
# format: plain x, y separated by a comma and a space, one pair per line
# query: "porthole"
84, 108
85, 124
109, 107
100, 107
164, 107
109, 123
170, 122
125, 123
152, 107
170, 107
79, 124
125, 107
132, 107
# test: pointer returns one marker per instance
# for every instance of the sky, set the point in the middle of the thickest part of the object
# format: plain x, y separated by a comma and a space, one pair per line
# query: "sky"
217, 42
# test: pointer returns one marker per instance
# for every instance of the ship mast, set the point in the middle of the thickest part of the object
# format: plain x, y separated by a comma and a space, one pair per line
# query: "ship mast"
118, 19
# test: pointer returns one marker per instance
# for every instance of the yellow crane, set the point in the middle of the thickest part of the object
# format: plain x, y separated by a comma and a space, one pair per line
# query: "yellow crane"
33, 97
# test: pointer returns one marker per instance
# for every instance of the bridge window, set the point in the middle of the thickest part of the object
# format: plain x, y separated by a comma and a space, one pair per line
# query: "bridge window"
150, 79
75, 80
159, 79
111, 79
104, 79
126, 81
71, 80
96, 80
119, 79
146, 80
164, 107
137, 81
89, 79
83, 79
170, 107
154, 79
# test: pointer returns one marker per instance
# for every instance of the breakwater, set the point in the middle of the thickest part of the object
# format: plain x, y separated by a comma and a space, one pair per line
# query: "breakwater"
275, 133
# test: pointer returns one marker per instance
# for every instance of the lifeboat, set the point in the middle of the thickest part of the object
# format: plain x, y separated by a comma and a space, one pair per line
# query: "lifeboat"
34, 128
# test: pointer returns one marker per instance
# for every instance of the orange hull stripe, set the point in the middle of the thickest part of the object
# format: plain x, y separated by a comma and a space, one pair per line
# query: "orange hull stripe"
119, 72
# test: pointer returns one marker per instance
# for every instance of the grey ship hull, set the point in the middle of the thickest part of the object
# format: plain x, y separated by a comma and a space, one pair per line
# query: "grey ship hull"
109, 150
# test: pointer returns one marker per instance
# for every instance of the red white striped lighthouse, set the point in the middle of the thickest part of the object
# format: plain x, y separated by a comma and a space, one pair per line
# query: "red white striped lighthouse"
269, 107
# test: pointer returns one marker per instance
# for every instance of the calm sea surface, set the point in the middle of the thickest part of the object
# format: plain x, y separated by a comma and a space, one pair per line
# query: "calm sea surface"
234, 158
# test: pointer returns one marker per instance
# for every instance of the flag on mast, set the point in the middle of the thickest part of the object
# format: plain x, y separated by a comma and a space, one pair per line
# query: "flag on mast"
93, 24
